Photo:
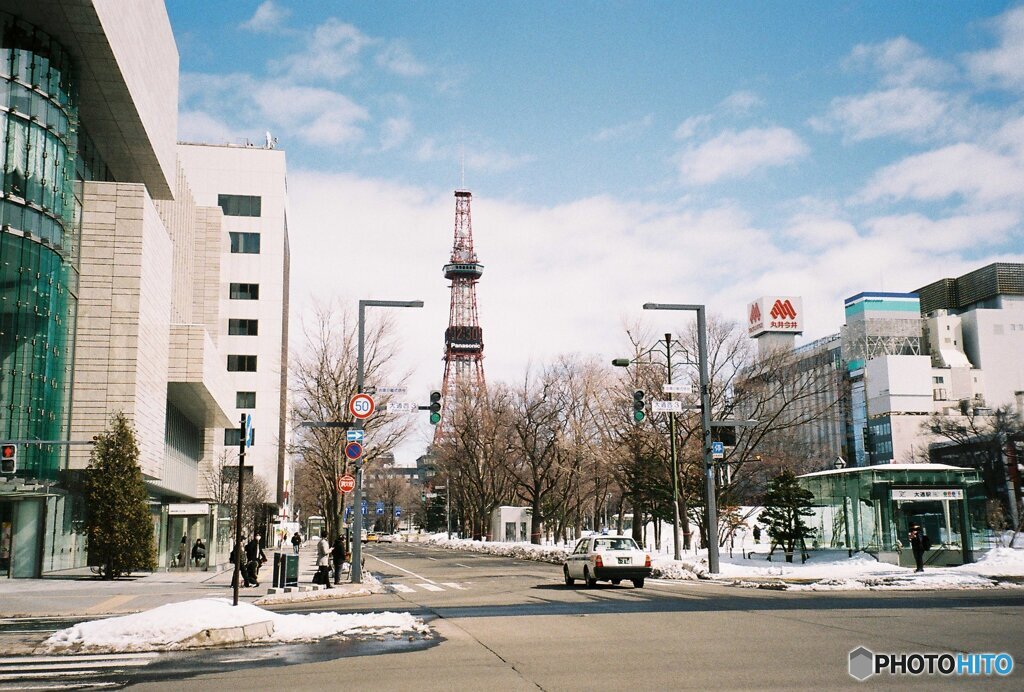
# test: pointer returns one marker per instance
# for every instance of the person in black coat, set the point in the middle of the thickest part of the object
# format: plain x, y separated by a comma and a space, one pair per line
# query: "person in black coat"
254, 557
916, 537
338, 556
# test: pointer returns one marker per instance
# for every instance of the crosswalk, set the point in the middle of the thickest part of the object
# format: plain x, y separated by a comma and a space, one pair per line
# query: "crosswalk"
58, 672
396, 587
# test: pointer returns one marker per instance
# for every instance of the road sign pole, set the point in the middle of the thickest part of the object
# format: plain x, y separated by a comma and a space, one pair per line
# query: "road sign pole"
672, 450
242, 435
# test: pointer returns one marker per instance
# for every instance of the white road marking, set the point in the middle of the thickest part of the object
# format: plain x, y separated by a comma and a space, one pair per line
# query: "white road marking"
453, 585
403, 588
430, 587
401, 569
459, 564
432, 558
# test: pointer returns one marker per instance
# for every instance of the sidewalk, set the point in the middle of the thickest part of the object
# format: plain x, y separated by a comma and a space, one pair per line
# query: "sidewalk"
80, 593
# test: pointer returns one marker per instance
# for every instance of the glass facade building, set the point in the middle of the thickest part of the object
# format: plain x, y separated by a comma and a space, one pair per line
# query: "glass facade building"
39, 218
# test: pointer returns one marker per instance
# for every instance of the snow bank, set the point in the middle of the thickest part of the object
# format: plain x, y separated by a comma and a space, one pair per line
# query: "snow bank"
164, 627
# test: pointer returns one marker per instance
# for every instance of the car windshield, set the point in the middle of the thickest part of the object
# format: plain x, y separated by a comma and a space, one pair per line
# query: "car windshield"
614, 544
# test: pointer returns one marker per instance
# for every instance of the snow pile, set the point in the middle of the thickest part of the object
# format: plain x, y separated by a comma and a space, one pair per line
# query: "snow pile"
165, 627
998, 562
554, 554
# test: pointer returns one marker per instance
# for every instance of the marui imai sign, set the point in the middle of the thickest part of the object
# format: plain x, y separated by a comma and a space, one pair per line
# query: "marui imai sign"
775, 314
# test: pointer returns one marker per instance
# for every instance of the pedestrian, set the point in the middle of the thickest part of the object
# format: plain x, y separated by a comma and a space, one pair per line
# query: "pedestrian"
238, 557
338, 556
296, 542
917, 544
757, 533
198, 552
323, 560
182, 558
254, 557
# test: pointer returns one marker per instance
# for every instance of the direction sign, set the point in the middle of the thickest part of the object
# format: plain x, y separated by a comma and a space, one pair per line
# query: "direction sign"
402, 407
658, 406
355, 436
380, 508
717, 450
248, 431
391, 390
346, 484
361, 406
677, 388
353, 450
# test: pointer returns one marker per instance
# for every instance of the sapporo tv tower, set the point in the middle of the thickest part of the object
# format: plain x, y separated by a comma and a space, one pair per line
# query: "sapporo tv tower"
463, 339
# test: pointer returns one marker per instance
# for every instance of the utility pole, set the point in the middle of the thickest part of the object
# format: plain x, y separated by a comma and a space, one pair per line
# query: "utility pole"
672, 450
243, 440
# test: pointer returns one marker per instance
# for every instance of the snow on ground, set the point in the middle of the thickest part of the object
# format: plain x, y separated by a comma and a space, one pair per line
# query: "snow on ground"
164, 627
829, 570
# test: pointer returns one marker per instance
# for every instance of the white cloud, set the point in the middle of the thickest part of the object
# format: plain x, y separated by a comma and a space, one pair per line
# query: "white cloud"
688, 128
333, 52
815, 232
1003, 65
901, 63
741, 102
626, 130
197, 126
477, 156
948, 234
319, 116
396, 57
268, 17
965, 170
907, 111
394, 132
737, 154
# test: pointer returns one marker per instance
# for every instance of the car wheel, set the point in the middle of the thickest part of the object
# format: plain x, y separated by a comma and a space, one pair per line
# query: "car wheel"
569, 581
638, 582
616, 582
586, 576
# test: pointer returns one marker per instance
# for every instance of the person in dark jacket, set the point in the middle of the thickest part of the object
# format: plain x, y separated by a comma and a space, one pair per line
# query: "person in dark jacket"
917, 545
296, 542
254, 557
198, 552
338, 557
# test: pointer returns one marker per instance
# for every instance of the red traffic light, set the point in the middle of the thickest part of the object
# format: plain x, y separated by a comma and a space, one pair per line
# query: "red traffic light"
8, 457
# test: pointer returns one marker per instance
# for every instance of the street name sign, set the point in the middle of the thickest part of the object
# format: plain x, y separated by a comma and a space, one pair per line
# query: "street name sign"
402, 407
677, 388
361, 406
391, 390
659, 406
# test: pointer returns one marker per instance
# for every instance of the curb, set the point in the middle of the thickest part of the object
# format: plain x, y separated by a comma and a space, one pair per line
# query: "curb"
225, 636
318, 592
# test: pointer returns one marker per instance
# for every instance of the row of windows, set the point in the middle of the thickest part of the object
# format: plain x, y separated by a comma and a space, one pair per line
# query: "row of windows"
245, 243
240, 205
243, 327
245, 292
238, 363
32, 57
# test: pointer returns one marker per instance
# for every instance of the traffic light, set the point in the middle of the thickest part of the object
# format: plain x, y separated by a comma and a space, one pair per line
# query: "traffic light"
435, 407
8, 457
638, 406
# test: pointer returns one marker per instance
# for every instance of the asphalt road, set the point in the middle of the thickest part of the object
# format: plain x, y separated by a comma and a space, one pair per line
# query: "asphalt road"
504, 624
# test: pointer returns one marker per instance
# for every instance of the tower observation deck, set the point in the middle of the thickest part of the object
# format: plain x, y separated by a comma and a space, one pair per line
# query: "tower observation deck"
463, 339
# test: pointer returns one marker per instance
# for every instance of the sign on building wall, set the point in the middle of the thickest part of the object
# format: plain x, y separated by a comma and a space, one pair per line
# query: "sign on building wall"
775, 314
927, 494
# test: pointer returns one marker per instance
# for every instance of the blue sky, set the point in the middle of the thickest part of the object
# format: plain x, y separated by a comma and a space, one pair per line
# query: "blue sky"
622, 152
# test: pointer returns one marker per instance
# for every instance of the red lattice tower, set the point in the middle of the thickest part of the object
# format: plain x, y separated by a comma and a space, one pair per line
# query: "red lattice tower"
464, 339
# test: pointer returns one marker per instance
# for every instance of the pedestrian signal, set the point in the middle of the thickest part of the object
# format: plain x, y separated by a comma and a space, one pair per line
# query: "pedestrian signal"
8, 457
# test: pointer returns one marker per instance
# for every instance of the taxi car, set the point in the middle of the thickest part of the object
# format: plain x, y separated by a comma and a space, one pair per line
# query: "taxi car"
607, 558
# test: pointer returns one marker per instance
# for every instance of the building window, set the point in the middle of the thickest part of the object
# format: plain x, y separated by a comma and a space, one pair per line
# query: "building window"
245, 291
245, 399
245, 243
232, 436
241, 363
938, 379
240, 205
243, 327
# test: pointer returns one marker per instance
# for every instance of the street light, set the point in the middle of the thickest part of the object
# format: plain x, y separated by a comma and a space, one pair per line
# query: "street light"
624, 362
357, 496
710, 504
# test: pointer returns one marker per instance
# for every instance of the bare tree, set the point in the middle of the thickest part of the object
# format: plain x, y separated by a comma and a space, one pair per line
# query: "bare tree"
222, 485
324, 376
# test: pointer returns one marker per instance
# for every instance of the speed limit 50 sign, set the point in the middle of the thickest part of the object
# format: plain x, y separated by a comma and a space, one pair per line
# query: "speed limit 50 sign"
361, 406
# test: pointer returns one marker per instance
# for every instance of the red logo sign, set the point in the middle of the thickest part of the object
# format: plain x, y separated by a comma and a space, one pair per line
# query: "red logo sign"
783, 309
755, 313
346, 484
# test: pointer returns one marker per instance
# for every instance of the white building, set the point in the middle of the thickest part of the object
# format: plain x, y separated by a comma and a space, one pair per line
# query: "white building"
249, 185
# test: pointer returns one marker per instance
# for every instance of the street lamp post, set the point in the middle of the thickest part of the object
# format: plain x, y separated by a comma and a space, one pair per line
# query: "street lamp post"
711, 519
357, 495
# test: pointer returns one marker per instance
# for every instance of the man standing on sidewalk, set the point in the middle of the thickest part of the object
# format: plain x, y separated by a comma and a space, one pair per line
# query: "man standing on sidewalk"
323, 560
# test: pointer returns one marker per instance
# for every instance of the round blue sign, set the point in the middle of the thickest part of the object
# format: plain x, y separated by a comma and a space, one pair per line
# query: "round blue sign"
353, 450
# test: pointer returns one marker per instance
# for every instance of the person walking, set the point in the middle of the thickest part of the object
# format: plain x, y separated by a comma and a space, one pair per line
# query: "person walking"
296, 542
182, 559
757, 533
917, 544
254, 557
198, 552
323, 560
338, 556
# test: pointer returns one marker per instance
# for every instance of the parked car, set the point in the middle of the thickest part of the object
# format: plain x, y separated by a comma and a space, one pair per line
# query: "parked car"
385, 538
371, 537
607, 558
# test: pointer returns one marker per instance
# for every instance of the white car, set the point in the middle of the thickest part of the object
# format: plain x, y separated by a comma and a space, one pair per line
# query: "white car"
385, 538
607, 558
